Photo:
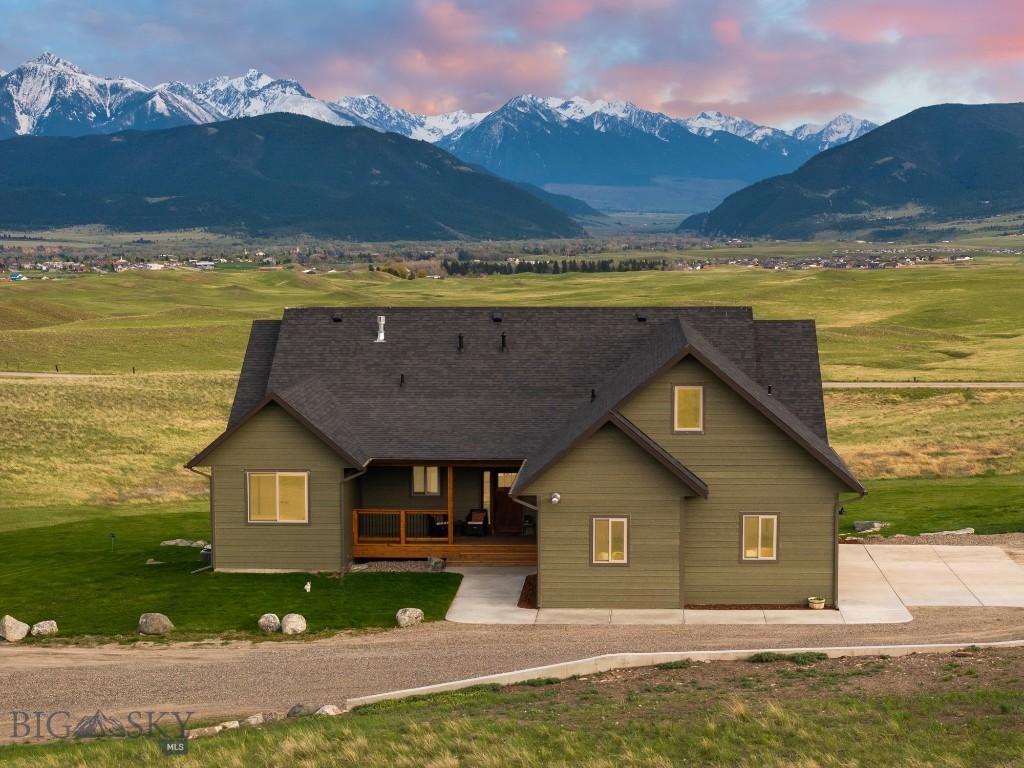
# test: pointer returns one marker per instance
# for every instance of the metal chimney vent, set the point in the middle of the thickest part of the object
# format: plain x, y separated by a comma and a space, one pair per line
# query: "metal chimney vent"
380, 330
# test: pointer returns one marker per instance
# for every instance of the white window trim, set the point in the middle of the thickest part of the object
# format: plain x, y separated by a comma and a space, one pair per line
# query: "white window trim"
277, 497
625, 540
426, 484
775, 537
675, 408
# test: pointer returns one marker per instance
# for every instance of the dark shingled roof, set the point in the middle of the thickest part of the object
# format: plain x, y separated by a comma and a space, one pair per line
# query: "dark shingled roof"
418, 397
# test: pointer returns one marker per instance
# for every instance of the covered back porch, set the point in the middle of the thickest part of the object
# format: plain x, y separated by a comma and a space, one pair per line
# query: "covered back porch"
462, 513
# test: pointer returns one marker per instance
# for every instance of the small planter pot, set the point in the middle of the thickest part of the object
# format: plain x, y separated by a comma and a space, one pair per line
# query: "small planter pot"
816, 603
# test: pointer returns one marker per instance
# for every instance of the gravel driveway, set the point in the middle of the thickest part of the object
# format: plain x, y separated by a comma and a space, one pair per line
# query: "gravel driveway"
239, 678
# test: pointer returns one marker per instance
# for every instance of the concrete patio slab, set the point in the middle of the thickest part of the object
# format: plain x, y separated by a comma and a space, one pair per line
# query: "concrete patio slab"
574, 616
647, 616
920, 577
988, 572
865, 596
724, 616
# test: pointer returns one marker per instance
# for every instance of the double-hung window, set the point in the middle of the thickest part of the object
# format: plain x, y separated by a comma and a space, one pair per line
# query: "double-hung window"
760, 537
278, 497
426, 481
610, 543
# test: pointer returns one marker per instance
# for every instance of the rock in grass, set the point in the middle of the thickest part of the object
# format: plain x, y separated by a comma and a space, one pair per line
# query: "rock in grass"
435, 564
44, 628
958, 532
408, 617
200, 544
269, 623
154, 561
301, 710
867, 526
328, 710
210, 730
293, 624
260, 718
154, 624
230, 725
12, 630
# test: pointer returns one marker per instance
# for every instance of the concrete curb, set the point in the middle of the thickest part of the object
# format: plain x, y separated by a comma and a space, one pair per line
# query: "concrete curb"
609, 661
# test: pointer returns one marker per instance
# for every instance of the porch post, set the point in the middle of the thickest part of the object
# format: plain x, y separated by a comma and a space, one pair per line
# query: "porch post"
451, 504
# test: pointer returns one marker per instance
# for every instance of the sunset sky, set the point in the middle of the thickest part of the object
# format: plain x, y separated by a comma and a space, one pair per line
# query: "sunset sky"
780, 62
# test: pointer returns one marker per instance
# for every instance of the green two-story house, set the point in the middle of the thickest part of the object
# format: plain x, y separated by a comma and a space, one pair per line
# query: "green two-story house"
641, 458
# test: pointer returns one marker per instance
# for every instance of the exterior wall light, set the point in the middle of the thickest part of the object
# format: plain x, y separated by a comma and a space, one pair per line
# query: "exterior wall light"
555, 498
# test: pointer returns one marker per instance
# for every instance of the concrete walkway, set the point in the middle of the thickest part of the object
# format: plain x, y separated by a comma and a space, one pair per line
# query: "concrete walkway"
876, 584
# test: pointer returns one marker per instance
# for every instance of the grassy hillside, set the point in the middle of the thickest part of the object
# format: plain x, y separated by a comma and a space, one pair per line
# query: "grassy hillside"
934, 164
933, 322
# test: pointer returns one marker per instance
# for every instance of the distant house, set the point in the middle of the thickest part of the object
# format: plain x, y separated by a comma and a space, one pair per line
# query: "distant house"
641, 458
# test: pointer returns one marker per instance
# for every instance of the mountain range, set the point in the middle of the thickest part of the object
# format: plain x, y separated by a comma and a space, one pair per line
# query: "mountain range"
935, 164
612, 154
272, 174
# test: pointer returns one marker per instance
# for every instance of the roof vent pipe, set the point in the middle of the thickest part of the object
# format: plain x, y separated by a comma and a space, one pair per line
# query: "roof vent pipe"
380, 329
462, 344
593, 395
769, 389
504, 343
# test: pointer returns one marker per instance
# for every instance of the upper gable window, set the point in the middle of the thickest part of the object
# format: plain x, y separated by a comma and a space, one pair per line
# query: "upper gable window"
688, 409
426, 481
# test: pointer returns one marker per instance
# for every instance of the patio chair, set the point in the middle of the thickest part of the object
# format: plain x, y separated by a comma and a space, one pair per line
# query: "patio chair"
476, 523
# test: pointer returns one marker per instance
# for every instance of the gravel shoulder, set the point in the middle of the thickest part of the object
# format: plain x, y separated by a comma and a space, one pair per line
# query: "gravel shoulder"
240, 678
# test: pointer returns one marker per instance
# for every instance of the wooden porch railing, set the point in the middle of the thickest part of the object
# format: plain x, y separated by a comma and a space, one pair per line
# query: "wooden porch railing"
399, 526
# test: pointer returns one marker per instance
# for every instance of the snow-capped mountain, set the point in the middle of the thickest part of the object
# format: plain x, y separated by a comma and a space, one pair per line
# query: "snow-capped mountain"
570, 145
838, 130
255, 93
382, 116
52, 96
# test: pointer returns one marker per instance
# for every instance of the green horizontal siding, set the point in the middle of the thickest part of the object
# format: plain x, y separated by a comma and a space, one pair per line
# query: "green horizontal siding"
273, 440
608, 475
750, 466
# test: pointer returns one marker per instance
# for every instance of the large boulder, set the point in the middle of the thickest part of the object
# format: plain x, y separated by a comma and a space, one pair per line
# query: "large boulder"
328, 710
301, 710
867, 526
435, 564
269, 623
293, 624
409, 617
12, 630
44, 628
154, 624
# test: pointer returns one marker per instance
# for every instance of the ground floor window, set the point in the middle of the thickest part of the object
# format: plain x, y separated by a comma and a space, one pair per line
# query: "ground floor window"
426, 481
278, 497
760, 537
610, 540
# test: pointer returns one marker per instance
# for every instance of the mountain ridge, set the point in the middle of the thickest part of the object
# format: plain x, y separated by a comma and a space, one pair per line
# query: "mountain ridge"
271, 173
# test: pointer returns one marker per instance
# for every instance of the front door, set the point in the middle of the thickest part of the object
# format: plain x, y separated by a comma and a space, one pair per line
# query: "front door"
508, 515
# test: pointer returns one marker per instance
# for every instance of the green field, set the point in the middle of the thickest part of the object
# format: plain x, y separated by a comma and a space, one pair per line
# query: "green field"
934, 322
90, 585
957, 712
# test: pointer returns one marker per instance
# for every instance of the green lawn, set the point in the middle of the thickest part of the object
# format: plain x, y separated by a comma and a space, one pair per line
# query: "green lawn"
71, 574
833, 713
988, 503
934, 322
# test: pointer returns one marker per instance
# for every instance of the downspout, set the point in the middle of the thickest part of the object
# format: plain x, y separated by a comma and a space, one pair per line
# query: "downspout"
344, 479
213, 528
